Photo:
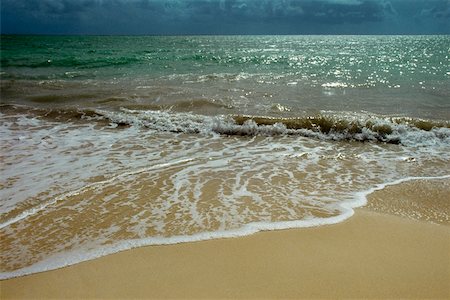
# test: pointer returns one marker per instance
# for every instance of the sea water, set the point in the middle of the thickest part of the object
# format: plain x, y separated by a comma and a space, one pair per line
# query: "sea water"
114, 142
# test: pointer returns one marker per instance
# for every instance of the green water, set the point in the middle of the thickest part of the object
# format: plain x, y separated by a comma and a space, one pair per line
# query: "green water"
111, 143
357, 60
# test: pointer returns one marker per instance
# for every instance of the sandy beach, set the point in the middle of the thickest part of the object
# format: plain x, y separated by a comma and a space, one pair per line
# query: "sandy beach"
145, 166
371, 255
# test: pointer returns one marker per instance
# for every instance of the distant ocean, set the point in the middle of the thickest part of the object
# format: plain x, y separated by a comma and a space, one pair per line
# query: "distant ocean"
114, 142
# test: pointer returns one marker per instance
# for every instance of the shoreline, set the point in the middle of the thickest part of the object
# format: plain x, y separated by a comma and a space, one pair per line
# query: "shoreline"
369, 198
369, 255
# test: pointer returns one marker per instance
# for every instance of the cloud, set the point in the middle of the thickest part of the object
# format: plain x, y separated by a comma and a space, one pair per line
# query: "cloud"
439, 10
220, 16
340, 11
345, 2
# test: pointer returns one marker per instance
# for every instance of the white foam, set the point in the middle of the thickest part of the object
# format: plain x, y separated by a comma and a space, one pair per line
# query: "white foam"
192, 123
36, 209
61, 260
258, 178
335, 85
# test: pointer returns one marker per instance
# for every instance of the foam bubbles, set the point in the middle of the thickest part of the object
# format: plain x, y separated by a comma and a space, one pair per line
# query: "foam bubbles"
177, 177
327, 126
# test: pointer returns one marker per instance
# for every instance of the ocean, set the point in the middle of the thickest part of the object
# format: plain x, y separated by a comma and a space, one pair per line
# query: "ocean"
114, 142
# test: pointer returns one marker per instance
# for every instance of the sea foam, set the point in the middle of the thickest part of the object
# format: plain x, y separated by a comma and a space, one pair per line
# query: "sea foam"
70, 258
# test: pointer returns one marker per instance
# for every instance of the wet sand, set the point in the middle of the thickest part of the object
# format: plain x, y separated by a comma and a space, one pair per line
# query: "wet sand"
369, 255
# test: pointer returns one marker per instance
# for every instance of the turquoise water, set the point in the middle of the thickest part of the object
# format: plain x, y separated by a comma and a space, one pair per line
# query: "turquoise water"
406, 75
111, 143
388, 59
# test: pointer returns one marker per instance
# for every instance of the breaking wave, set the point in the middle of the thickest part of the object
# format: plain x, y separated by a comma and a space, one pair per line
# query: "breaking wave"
405, 131
326, 125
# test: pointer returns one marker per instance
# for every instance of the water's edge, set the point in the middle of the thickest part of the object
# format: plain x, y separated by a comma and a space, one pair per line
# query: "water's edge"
71, 258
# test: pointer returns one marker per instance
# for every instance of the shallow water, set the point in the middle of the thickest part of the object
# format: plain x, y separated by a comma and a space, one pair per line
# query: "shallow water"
107, 147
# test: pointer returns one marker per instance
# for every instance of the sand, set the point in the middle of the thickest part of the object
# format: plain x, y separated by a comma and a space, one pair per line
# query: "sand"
369, 255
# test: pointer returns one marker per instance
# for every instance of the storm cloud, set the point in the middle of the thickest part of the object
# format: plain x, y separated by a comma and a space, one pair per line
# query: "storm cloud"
225, 16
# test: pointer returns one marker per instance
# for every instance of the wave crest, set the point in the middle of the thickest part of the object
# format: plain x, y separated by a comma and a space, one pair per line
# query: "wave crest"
326, 126
404, 131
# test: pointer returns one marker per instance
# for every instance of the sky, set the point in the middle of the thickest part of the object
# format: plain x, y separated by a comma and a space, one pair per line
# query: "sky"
188, 17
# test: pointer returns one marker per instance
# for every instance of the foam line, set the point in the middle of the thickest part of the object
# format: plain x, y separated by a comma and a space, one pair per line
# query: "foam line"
70, 258
357, 127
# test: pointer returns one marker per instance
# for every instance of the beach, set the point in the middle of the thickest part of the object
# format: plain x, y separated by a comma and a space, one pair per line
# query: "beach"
371, 255
224, 166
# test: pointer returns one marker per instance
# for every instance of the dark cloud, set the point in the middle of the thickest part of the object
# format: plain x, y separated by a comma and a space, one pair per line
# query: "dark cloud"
336, 12
225, 16
440, 10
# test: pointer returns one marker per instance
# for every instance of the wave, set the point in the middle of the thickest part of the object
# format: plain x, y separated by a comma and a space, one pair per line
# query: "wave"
73, 62
367, 128
92, 60
191, 105
405, 131
334, 126
64, 259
